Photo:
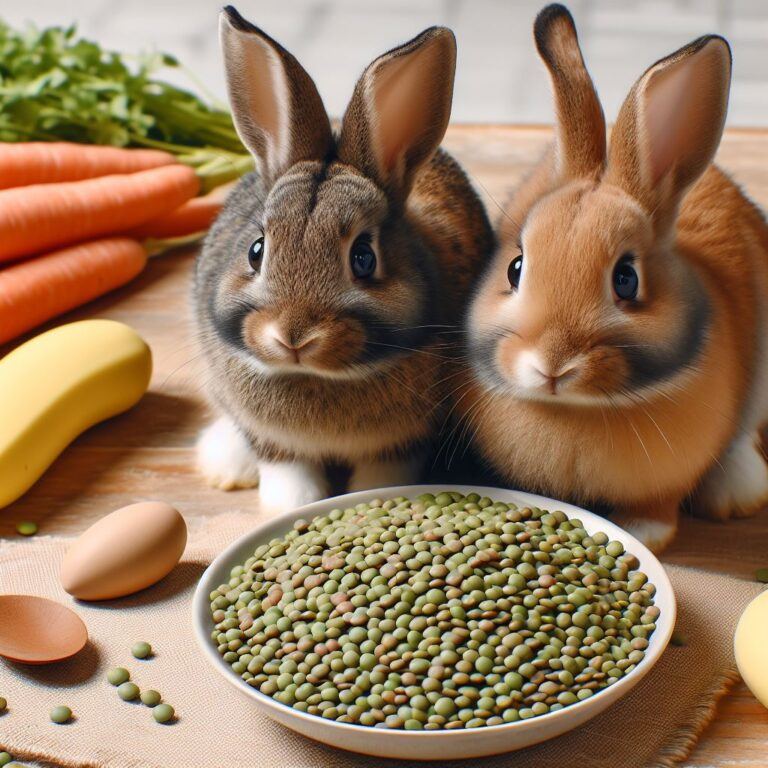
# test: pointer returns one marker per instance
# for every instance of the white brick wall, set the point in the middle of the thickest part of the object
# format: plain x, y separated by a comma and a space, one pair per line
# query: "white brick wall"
499, 76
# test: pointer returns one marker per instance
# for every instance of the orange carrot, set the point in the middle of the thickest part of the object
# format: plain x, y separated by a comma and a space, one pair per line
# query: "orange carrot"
196, 215
41, 162
34, 291
44, 216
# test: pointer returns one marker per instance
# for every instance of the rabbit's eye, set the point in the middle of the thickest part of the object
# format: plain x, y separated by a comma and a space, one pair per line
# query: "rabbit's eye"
255, 253
514, 271
625, 279
362, 259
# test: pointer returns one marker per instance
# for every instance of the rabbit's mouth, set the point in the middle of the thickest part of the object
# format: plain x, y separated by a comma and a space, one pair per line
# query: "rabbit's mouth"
292, 339
538, 376
506, 364
352, 372
322, 350
296, 341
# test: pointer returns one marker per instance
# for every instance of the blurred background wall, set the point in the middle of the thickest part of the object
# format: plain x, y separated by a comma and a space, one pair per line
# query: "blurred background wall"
499, 77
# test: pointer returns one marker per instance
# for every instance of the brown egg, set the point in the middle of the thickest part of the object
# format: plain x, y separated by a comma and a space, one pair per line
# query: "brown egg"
126, 551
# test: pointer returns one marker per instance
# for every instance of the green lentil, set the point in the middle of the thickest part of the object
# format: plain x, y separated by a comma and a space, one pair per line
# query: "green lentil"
143, 650
5, 758
761, 574
3, 704
163, 713
150, 698
128, 691
118, 675
26, 528
437, 613
61, 715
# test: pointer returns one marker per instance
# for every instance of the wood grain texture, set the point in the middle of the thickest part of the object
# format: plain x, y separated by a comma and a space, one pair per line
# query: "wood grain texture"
148, 452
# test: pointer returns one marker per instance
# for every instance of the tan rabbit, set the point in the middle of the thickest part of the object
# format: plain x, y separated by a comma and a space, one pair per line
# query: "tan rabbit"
619, 337
323, 287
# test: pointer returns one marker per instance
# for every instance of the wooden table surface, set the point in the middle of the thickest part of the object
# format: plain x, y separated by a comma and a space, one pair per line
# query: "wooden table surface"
148, 452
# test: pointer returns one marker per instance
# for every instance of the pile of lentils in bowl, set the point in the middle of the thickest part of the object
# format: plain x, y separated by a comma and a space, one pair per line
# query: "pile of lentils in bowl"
442, 612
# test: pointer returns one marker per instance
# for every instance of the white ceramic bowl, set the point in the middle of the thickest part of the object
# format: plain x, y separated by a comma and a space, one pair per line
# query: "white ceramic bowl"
433, 745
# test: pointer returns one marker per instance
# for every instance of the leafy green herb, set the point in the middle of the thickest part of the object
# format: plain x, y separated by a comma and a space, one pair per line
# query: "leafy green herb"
55, 86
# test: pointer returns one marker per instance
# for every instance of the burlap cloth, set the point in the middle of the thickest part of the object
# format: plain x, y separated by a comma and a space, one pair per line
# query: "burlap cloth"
655, 725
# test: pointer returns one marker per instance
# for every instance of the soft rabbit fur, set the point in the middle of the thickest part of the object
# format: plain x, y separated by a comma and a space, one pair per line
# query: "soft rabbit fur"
309, 363
637, 402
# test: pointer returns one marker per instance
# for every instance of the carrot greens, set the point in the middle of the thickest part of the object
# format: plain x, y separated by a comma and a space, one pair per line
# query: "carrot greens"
56, 86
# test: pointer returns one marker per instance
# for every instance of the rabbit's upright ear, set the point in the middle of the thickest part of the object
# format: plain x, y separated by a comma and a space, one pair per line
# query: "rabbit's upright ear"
276, 108
580, 130
670, 125
400, 110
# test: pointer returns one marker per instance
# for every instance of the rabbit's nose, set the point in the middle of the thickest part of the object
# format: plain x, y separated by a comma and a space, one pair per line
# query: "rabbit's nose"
536, 373
287, 344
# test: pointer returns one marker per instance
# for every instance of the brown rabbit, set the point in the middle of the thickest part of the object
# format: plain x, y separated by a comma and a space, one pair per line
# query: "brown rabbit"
323, 287
619, 336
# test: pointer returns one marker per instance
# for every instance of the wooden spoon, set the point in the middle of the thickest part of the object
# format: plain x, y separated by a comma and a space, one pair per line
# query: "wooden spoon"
34, 630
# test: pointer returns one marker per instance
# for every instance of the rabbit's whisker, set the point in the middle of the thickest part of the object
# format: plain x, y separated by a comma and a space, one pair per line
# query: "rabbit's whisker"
408, 349
504, 212
176, 370
466, 423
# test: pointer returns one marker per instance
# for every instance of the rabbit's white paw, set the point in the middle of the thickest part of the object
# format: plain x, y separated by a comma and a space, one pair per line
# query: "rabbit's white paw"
737, 486
380, 474
654, 523
286, 485
225, 457
655, 534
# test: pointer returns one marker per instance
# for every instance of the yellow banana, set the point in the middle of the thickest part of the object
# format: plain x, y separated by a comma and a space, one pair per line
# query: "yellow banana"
57, 385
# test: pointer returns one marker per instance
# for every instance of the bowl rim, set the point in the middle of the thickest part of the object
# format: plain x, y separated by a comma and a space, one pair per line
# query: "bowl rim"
209, 580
